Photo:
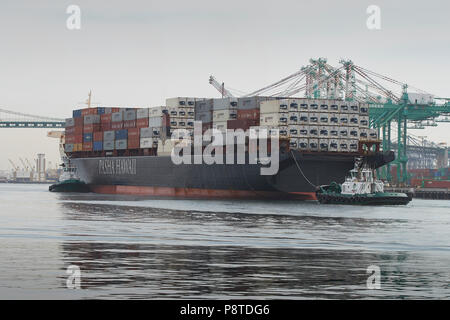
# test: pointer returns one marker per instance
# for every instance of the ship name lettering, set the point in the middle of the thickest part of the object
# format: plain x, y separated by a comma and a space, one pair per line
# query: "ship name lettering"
117, 166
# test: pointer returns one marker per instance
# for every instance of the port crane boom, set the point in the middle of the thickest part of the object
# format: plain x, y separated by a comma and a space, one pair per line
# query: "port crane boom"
220, 87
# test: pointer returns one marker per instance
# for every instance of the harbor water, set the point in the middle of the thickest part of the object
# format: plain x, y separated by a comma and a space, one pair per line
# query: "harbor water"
141, 248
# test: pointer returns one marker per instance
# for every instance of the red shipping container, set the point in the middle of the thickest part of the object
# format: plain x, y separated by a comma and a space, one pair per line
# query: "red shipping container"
437, 184
248, 114
98, 136
70, 130
142, 123
105, 118
70, 139
106, 126
133, 133
78, 130
97, 127
133, 143
79, 122
129, 124
88, 128
243, 124
87, 146
78, 138
117, 125
115, 110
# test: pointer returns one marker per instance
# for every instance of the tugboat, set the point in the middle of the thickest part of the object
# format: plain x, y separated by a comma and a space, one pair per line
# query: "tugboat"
360, 188
69, 181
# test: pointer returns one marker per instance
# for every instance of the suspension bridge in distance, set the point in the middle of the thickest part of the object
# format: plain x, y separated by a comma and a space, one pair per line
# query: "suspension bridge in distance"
13, 119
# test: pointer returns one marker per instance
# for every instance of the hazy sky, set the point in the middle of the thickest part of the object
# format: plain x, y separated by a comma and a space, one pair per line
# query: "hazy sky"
137, 53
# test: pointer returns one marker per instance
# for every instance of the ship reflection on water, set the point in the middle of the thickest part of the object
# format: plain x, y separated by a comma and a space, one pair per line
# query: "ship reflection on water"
145, 252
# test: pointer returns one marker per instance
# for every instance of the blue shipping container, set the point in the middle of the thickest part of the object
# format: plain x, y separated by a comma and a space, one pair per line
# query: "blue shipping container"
87, 137
121, 134
101, 110
76, 113
98, 145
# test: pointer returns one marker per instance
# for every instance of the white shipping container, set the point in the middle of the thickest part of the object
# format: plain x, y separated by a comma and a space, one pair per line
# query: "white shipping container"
146, 143
334, 132
363, 134
157, 111
373, 134
109, 135
146, 133
334, 106
303, 144
274, 119
353, 120
293, 117
283, 131
364, 109
323, 106
303, 106
293, 143
324, 131
129, 115
343, 145
121, 144
354, 107
314, 106
334, 119
353, 133
323, 144
343, 119
343, 132
323, 118
108, 145
178, 101
220, 125
294, 131
142, 113
333, 145
274, 106
364, 122
313, 144
117, 116
353, 146
303, 131
313, 118
224, 114
313, 131
293, 105
156, 121
303, 118
344, 108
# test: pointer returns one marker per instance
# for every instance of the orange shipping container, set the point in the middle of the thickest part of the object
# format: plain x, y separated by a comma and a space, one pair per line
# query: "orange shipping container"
78, 147
142, 123
105, 118
134, 143
133, 133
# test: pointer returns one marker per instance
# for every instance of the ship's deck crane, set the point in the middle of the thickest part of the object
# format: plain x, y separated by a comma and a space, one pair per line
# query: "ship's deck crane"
220, 87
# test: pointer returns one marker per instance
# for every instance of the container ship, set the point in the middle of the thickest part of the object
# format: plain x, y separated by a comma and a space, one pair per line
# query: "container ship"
128, 150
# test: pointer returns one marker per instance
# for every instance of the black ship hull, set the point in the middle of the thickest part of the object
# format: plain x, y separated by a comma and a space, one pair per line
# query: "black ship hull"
159, 176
